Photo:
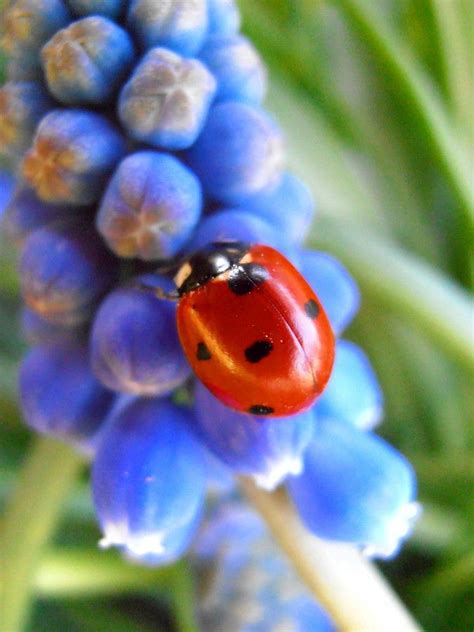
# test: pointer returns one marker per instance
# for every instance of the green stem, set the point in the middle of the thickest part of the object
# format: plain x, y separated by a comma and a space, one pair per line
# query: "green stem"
84, 572
30, 520
403, 71
403, 284
350, 588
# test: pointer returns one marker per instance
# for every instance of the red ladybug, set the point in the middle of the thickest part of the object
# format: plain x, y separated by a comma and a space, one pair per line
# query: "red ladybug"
252, 329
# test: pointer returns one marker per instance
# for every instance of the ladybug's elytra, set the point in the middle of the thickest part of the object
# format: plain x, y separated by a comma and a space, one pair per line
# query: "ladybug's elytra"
252, 329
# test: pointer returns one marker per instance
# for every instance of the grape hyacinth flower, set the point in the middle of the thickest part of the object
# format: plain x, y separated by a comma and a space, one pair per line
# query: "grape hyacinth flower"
138, 138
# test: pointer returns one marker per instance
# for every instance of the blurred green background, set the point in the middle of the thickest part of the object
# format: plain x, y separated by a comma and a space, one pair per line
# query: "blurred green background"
376, 99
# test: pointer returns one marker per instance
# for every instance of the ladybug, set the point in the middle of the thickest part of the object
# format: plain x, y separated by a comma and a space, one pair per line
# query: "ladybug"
252, 329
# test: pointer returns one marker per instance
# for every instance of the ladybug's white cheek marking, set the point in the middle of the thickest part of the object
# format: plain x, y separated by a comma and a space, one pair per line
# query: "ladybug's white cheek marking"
184, 273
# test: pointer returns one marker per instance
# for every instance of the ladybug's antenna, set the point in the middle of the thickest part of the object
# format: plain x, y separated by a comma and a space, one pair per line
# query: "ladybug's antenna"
159, 292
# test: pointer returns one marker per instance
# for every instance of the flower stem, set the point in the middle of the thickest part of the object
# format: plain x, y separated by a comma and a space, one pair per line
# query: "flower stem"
29, 521
351, 589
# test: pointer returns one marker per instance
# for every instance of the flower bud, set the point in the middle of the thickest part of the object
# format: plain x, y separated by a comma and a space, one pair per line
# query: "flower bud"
110, 8
266, 449
334, 285
87, 61
22, 105
353, 393
25, 213
28, 24
288, 206
355, 488
177, 24
238, 68
166, 100
134, 343
235, 224
74, 151
38, 331
223, 17
60, 396
151, 206
64, 271
239, 152
148, 481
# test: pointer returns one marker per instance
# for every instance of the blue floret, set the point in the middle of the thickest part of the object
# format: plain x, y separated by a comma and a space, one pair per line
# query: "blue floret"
239, 152
237, 67
267, 450
166, 100
73, 154
134, 343
59, 395
180, 25
25, 213
64, 271
151, 206
148, 481
22, 105
86, 62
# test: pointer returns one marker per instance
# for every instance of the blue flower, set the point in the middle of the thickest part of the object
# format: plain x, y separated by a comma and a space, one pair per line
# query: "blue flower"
170, 150
353, 393
134, 343
239, 152
74, 152
22, 105
25, 213
87, 61
151, 206
223, 17
148, 481
355, 488
28, 24
237, 67
334, 285
266, 449
180, 25
166, 100
59, 395
64, 272
288, 207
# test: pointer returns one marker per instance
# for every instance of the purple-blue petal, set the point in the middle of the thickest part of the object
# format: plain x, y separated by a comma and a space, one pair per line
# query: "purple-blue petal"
134, 343
59, 396
179, 25
355, 488
353, 393
334, 286
86, 62
166, 100
148, 481
64, 272
266, 449
151, 206
239, 152
238, 68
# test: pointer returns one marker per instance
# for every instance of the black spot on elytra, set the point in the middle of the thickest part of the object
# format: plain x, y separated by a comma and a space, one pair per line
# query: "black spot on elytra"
245, 277
259, 409
258, 350
203, 352
311, 308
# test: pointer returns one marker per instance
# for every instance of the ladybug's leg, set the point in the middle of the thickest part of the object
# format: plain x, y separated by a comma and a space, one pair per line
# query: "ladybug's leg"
159, 292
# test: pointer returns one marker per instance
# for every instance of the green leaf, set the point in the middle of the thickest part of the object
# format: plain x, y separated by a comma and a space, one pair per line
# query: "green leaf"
403, 284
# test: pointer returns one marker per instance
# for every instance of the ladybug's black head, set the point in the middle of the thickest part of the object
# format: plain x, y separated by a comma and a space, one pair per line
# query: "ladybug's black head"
208, 263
